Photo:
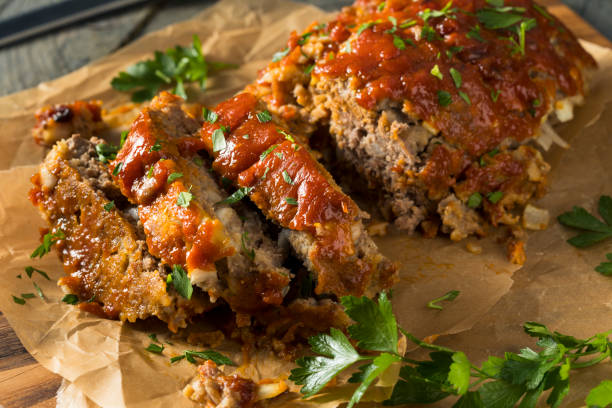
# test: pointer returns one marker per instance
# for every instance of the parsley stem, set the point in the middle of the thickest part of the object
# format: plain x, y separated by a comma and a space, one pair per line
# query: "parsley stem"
475, 383
590, 362
480, 372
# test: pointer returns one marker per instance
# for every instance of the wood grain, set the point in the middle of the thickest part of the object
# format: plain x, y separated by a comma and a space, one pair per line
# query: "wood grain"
24, 382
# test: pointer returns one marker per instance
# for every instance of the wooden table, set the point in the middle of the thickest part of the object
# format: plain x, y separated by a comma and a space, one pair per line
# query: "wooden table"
24, 382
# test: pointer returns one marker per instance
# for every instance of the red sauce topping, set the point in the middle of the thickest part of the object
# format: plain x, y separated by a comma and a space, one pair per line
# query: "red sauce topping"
182, 235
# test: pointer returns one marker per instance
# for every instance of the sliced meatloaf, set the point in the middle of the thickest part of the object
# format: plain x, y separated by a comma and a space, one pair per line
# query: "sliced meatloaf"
158, 169
104, 255
435, 103
291, 188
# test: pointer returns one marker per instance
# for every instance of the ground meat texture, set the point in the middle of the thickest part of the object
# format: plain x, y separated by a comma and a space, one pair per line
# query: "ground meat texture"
213, 388
228, 257
426, 107
295, 191
59, 122
103, 258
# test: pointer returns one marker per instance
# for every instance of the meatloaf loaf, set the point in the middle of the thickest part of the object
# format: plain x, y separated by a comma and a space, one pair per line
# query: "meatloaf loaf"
434, 103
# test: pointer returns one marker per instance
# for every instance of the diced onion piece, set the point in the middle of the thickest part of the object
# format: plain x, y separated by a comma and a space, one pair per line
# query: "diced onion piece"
269, 390
535, 218
473, 248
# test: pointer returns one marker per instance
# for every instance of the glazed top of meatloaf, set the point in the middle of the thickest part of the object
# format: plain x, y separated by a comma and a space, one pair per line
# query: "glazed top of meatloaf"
477, 71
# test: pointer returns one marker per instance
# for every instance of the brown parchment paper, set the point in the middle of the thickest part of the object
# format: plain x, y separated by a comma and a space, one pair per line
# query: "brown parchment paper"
104, 362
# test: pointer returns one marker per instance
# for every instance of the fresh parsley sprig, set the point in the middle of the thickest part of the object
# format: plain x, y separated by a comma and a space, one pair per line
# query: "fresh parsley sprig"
212, 355
172, 68
498, 382
49, 239
593, 230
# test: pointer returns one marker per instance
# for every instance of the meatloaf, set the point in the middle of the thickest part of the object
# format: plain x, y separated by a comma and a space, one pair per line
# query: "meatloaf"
435, 104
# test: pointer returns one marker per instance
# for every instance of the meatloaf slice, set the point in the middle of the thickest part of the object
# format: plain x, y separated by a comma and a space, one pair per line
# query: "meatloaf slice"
431, 99
227, 255
103, 256
292, 189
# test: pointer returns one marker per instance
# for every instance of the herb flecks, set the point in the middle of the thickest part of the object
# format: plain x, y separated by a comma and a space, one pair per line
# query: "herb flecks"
593, 230
49, 239
448, 296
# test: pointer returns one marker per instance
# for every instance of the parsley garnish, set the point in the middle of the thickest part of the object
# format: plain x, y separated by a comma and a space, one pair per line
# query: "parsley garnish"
155, 348
494, 19
605, 268
39, 291
29, 270
49, 239
474, 200
267, 152
28, 295
291, 201
515, 377
106, 152
453, 50
398, 42
456, 75
474, 34
287, 135
184, 198
280, 55
287, 177
70, 299
248, 252
210, 116
174, 67
444, 98
309, 69
263, 177
435, 71
174, 176
593, 230
495, 94
124, 136
264, 116
212, 355
218, 140
18, 300
428, 33
150, 171
465, 97
181, 282
236, 196
117, 169
365, 26
495, 196
156, 147
109, 206
381, 6
449, 297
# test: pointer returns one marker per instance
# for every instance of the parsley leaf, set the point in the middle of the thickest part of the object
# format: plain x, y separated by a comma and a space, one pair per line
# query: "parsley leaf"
18, 300
70, 299
29, 270
212, 355
449, 297
287, 177
267, 152
174, 176
494, 19
594, 230
49, 239
248, 252
600, 396
435, 71
495, 196
174, 67
456, 75
264, 116
398, 42
218, 140
444, 98
117, 169
291, 201
605, 268
314, 373
236, 196
155, 348
280, 55
181, 282
39, 291
474, 200
184, 198
109, 206
106, 152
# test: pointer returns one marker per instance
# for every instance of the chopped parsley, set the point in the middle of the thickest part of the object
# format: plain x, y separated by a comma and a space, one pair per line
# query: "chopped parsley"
495, 94
156, 147
212, 355
279, 155
155, 348
263, 177
124, 136
365, 26
398, 42
444, 98
407, 23
264, 116
28, 295
18, 300
248, 252
236, 196
184, 198
106, 152
280, 55
29, 270
218, 140
245, 136
291, 201
309, 69
465, 97
381, 6
287, 177
495, 196
174, 176
456, 75
435, 71
494, 19
117, 168
453, 50
428, 33
150, 171
474, 34
304, 38
49, 239
287, 135
181, 282
70, 299
39, 291
210, 116
446, 11
267, 152
449, 297
474, 200
109, 206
